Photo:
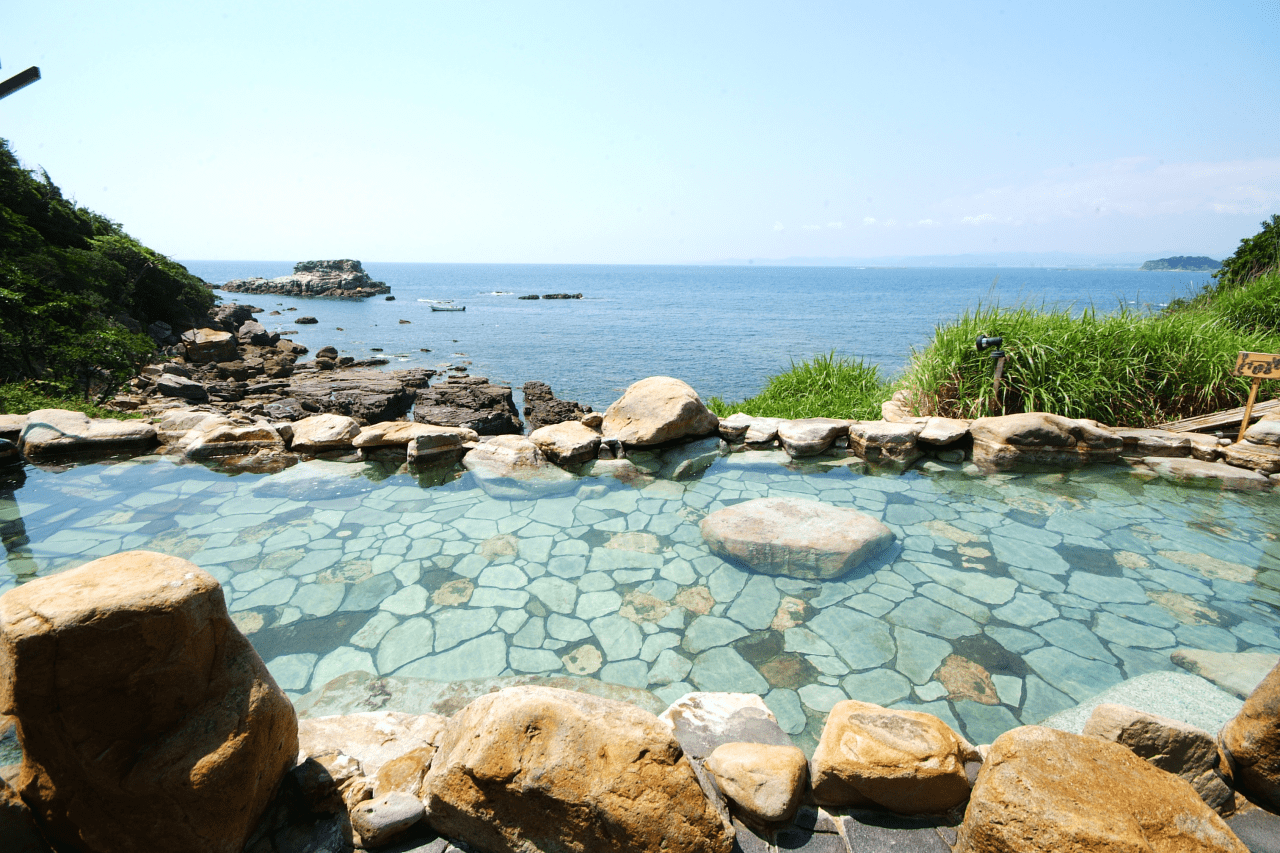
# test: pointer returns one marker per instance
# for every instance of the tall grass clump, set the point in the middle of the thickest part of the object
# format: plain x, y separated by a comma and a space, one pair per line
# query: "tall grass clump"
1124, 368
20, 398
827, 386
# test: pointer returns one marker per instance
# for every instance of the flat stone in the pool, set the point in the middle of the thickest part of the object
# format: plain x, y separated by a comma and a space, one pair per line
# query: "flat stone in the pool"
273, 594
670, 667
878, 686
801, 639
407, 601
1014, 639
455, 624
722, 670
631, 673
919, 655
595, 582
510, 621
612, 559
955, 601
559, 595
708, 631
931, 617
726, 582
869, 603
369, 593
1008, 688
863, 642
407, 641
1103, 588
1026, 610
785, 705
504, 576
1076, 676
984, 723
1148, 614
1257, 635
594, 604
567, 566
1209, 637
620, 638
1037, 580
535, 549
655, 644
1028, 555
821, 697
989, 589
1075, 637
534, 660
340, 661
532, 635
490, 597
569, 630
1126, 632
292, 672
757, 604
483, 657
1042, 701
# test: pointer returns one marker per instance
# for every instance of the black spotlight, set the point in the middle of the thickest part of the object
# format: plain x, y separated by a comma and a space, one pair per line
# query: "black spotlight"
985, 343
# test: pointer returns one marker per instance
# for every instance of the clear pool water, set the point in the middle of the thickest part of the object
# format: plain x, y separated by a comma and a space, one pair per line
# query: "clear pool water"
1004, 600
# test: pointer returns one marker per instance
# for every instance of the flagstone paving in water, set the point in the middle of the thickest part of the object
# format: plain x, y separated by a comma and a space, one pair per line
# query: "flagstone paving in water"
1004, 600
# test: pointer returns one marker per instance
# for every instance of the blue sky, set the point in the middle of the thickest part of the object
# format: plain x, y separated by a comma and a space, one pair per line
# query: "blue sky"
654, 132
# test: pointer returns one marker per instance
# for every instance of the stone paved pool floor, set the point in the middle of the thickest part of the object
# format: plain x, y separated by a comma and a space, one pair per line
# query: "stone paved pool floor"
1004, 599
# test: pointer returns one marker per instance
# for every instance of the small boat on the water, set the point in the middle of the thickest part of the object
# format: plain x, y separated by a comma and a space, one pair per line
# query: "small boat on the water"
448, 308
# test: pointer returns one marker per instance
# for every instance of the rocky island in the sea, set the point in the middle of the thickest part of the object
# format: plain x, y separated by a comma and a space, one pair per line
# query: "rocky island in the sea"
315, 278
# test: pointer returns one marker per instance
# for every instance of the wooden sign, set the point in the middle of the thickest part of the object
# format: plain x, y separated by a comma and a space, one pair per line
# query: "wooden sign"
1257, 364
1260, 366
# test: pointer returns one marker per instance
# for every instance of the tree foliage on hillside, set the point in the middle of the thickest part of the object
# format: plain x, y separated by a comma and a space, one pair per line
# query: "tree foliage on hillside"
72, 283
1257, 255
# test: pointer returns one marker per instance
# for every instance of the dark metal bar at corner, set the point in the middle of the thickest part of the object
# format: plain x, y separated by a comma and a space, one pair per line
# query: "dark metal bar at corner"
17, 81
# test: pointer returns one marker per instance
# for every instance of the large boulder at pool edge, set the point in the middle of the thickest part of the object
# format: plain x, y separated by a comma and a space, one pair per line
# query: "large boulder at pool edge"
537, 768
147, 721
1043, 790
1252, 741
657, 410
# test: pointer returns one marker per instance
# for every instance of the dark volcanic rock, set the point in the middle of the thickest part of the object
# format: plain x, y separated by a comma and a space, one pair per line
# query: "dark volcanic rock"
542, 408
562, 296
316, 278
306, 321
471, 402
530, 296
369, 396
230, 316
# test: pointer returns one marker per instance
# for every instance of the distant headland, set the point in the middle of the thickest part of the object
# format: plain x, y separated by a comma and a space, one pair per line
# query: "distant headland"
1184, 264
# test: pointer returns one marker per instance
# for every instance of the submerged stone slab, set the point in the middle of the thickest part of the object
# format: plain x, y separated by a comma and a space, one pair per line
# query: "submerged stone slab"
796, 538
1210, 474
1238, 673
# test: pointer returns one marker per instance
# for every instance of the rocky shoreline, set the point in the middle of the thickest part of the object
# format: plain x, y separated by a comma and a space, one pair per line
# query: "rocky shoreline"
341, 278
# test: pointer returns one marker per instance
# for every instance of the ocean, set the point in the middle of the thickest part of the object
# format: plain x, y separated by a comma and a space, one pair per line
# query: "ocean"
723, 329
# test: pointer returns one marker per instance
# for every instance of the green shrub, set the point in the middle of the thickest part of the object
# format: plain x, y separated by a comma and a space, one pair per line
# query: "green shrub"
828, 386
21, 398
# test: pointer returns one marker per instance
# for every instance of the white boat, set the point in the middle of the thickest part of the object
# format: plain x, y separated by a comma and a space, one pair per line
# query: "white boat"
448, 308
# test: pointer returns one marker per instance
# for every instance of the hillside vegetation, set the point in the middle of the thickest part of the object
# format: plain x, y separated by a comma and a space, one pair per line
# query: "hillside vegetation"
1123, 368
77, 293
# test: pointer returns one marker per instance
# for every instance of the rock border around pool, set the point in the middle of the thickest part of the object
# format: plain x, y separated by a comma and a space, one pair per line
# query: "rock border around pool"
114, 764
658, 415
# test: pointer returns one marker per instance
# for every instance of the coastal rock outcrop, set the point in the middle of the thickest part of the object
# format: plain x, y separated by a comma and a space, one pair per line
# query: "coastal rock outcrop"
764, 781
512, 467
796, 538
315, 278
1041, 789
147, 720
543, 408
471, 402
885, 442
567, 443
904, 761
537, 768
656, 410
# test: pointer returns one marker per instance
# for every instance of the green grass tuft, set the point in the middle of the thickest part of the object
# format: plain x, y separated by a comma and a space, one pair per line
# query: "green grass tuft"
827, 386
19, 398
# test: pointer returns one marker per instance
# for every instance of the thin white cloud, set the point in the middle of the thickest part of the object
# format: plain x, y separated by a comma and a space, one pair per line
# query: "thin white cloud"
835, 225
778, 226
1136, 187
868, 220
926, 222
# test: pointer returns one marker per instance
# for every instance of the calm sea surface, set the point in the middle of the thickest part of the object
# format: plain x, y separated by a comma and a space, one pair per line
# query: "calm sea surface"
724, 330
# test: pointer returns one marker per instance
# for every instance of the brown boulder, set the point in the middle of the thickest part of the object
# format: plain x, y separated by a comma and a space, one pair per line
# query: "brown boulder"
324, 432
537, 768
765, 781
1043, 790
567, 442
1037, 438
903, 761
18, 832
810, 436
884, 442
1252, 741
1262, 458
373, 738
54, 432
206, 346
1173, 746
147, 720
656, 410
